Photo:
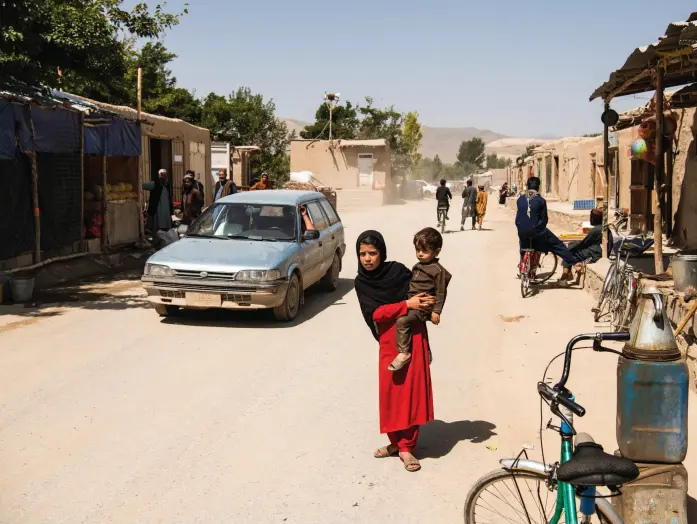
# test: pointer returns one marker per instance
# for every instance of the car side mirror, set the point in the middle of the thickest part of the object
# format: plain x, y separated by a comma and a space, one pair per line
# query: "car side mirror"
311, 234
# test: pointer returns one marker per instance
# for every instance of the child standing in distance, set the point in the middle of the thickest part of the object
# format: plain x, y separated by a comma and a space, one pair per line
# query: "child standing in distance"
427, 276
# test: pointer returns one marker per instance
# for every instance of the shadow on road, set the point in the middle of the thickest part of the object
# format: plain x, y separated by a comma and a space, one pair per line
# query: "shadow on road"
97, 294
316, 301
438, 438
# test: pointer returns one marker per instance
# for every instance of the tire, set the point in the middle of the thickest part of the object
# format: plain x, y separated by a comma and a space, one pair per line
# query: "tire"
605, 293
541, 501
165, 310
331, 277
291, 303
427, 194
524, 285
546, 268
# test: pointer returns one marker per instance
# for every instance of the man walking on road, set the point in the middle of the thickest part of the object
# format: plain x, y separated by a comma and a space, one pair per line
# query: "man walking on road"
469, 199
444, 196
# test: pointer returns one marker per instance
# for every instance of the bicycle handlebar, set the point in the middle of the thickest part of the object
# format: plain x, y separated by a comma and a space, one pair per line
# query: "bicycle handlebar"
621, 336
553, 395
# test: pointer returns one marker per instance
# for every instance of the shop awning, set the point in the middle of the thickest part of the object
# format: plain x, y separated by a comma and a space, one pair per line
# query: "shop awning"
676, 50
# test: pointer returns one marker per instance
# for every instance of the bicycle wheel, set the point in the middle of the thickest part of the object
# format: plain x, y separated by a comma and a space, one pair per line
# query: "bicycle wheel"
605, 293
623, 306
521, 496
546, 267
442, 224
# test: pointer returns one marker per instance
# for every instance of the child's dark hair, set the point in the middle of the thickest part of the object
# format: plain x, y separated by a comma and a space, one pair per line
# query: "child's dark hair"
428, 239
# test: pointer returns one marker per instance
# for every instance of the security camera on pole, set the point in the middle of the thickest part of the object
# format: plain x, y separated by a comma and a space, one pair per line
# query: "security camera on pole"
331, 99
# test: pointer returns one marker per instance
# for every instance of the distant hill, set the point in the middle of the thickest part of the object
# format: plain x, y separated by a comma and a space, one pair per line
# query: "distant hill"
444, 141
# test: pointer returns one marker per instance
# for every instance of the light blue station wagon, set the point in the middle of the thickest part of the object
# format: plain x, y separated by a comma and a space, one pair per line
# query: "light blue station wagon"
250, 250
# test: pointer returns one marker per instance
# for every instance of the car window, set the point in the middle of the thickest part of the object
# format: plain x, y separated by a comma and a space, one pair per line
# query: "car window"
316, 215
247, 221
330, 212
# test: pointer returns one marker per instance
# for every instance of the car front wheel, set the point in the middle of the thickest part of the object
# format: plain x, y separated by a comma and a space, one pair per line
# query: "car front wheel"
289, 309
165, 310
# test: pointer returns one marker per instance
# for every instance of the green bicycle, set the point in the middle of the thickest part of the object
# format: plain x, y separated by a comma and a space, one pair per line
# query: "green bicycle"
526, 490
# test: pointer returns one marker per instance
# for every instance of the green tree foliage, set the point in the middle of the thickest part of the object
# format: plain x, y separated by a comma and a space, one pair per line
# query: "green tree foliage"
245, 118
74, 43
494, 162
412, 133
437, 167
529, 149
471, 152
345, 123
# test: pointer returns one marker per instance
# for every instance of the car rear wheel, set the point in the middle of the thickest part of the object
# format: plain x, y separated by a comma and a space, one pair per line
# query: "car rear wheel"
331, 277
289, 309
165, 310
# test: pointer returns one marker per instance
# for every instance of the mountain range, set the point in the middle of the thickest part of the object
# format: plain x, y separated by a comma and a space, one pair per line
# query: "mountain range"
445, 141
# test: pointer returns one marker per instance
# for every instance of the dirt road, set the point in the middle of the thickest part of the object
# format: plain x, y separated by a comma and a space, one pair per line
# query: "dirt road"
111, 415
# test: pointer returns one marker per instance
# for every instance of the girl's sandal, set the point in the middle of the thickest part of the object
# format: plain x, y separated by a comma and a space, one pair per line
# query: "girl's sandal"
384, 452
411, 465
398, 364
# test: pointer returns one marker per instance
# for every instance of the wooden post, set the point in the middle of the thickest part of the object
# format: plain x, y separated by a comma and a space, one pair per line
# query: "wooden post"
658, 219
606, 191
104, 200
35, 199
669, 192
141, 225
83, 246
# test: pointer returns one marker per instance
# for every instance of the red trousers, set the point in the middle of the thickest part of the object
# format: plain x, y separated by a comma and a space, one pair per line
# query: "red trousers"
405, 440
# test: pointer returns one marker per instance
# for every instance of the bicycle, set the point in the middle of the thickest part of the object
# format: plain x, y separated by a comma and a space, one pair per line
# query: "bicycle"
535, 268
582, 468
620, 285
442, 216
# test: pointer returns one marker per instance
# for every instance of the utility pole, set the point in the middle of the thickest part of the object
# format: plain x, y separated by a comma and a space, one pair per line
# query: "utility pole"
331, 98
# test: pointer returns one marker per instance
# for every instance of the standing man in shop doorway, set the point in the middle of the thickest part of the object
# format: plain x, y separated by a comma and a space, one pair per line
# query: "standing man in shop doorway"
160, 203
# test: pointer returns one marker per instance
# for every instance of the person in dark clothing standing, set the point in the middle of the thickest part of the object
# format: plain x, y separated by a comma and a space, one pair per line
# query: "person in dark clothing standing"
223, 187
192, 200
443, 196
590, 248
160, 203
531, 221
469, 201
196, 184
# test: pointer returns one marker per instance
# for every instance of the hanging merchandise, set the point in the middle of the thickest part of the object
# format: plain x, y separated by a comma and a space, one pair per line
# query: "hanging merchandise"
647, 130
640, 149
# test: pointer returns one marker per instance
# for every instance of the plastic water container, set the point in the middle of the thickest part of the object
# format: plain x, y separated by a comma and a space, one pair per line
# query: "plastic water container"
652, 410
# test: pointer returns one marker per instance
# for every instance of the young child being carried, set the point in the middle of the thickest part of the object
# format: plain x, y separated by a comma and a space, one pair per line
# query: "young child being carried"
427, 276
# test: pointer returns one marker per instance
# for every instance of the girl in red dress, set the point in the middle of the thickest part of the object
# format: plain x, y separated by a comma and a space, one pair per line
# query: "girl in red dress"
406, 397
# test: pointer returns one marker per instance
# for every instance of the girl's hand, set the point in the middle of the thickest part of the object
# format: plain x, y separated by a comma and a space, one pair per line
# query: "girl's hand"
421, 301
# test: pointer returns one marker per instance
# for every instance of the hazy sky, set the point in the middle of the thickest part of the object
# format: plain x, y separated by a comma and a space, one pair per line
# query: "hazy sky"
522, 68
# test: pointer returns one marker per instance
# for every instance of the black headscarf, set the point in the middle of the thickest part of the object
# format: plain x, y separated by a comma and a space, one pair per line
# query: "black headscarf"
388, 284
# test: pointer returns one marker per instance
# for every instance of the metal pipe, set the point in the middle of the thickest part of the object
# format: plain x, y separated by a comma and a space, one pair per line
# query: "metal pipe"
141, 225
657, 219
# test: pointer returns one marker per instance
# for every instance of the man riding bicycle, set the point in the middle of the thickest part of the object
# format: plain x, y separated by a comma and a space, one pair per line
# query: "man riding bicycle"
531, 222
443, 196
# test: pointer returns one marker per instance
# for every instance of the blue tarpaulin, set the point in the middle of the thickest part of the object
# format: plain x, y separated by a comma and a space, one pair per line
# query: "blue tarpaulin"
7, 130
113, 137
57, 130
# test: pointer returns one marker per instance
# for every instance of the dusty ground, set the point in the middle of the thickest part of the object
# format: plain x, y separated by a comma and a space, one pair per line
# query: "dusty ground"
111, 415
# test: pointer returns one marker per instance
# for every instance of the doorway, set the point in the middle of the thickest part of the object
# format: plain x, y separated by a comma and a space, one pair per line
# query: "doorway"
365, 170
556, 176
160, 157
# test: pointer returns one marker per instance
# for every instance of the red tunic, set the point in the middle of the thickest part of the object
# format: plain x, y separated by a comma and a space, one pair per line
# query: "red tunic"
406, 397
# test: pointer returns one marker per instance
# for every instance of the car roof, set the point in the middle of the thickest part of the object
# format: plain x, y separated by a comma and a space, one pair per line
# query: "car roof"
287, 197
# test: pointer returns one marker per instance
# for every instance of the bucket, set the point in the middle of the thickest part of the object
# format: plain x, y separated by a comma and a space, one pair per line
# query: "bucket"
684, 271
22, 288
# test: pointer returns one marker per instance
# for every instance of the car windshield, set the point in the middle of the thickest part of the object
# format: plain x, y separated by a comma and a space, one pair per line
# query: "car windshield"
247, 221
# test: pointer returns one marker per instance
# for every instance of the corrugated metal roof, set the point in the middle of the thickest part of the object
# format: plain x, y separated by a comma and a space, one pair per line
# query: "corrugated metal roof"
677, 49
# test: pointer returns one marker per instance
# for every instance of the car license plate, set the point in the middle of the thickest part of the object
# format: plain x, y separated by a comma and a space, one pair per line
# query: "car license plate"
203, 300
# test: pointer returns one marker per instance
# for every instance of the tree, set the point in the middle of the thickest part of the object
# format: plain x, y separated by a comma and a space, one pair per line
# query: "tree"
74, 43
411, 140
344, 123
494, 162
471, 152
529, 149
437, 167
245, 118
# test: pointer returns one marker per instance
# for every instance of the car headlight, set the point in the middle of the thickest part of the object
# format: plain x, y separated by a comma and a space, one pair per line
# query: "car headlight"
258, 275
158, 270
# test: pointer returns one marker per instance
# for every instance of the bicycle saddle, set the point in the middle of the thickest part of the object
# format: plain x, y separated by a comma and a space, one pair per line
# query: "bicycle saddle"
591, 466
633, 245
